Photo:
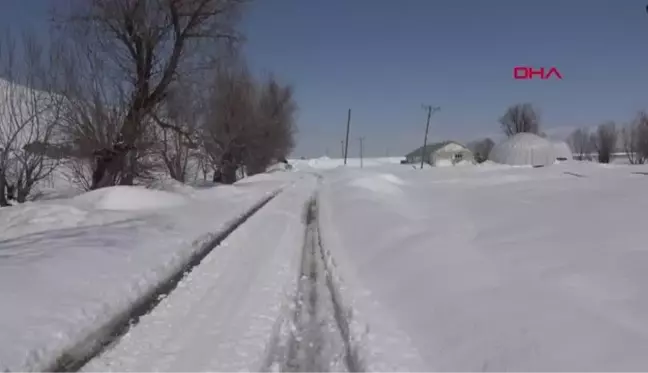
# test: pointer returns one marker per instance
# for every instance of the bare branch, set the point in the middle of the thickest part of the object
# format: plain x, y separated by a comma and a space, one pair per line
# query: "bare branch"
147, 45
520, 118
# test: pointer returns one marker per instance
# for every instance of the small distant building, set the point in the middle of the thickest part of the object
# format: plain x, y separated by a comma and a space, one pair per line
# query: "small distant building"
446, 153
530, 149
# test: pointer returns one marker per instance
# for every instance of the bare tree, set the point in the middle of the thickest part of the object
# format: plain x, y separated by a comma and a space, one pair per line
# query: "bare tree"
481, 149
581, 142
249, 125
91, 117
230, 121
176, 133
605, 140
29, 113
520, 118
272, 138
635, 139
146, 46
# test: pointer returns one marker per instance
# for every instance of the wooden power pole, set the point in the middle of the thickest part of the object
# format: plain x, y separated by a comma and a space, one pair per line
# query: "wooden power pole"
430, 109
346, 142
361, 139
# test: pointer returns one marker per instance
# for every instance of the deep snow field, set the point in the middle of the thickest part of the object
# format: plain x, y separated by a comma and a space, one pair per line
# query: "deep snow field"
486, 267
497, 268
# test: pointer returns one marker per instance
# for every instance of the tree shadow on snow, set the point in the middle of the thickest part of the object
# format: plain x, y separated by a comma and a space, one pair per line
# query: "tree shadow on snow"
50, 243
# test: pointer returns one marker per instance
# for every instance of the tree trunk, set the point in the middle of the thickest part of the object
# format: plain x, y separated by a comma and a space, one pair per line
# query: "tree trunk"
22, 194
129, 169
604, 158
3, 191
228, 168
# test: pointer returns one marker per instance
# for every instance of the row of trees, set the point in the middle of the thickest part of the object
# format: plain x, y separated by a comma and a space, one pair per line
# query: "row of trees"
130, 90
603, 141
632, 139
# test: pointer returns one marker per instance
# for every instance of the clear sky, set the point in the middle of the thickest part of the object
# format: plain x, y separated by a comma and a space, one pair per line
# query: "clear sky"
385, 58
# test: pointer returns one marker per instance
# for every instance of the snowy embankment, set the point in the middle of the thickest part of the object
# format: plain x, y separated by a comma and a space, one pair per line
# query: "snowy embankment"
69, 266
494, 268
227, 314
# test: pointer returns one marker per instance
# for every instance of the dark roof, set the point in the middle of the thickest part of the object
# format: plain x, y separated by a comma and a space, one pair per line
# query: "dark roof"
430, 148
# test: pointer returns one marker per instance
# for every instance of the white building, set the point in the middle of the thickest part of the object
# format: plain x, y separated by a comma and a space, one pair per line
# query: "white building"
445, 153
529, 149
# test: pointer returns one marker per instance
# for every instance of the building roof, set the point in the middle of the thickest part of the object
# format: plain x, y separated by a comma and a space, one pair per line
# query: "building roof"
430, 148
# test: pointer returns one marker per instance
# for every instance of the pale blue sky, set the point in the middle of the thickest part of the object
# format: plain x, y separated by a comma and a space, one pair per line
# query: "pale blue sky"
384, 58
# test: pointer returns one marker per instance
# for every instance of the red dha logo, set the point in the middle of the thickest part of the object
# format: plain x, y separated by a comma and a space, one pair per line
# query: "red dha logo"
527, 73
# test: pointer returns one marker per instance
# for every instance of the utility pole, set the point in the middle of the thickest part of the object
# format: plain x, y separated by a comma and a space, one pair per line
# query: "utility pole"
361, 139
430, 109
342, 147
346, 143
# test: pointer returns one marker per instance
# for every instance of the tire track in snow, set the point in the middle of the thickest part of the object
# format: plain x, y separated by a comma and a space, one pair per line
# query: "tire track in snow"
78, 355
573, 174
320, 340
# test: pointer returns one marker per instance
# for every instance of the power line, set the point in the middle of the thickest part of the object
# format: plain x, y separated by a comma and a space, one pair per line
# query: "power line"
430, 109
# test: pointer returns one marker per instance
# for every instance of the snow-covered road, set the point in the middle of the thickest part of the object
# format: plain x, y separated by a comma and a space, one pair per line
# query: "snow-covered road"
264, 299
224, 314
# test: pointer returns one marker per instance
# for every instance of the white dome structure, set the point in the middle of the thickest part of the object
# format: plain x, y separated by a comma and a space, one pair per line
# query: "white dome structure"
528, 149
562, 151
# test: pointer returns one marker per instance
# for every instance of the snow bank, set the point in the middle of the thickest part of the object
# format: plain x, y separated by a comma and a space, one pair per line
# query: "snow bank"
324, 163
174, 186
443, 163
381, 183
544, 271
130, 198
280, 166
381, 344
78, 265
